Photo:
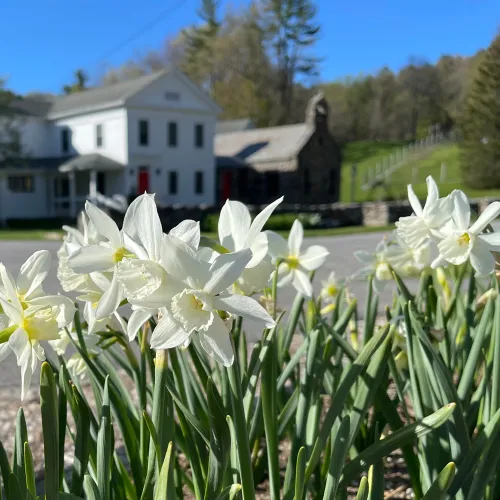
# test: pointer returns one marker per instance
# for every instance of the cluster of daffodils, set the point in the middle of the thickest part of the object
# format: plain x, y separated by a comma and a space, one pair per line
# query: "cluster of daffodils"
438, 234
191, 291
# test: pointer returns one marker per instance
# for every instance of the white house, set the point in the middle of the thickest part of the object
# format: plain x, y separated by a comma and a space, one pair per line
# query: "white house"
154, 134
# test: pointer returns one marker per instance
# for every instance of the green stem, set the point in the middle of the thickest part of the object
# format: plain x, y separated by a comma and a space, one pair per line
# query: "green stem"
144, 434
241, 431
162, 417
274, 289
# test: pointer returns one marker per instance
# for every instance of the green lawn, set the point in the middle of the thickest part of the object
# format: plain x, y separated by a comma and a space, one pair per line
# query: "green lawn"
365, 154
415, 173
31, 234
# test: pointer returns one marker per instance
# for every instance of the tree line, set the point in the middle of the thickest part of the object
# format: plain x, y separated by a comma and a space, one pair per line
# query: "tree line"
261, 63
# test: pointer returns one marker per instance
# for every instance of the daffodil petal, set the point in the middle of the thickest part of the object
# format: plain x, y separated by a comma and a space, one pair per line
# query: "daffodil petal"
245, 307
302, 283
92, 258
225, 270
168, 333
217, 343
295, 238
313, 257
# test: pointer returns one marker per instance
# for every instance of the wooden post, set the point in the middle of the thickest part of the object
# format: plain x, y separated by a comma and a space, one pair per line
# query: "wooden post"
354, 173
442, 176
414, 174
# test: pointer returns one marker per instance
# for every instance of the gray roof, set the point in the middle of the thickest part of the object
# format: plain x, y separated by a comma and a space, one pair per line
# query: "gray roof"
265, 145
99, 97
32, 106
227, 126
50, 163
92, 161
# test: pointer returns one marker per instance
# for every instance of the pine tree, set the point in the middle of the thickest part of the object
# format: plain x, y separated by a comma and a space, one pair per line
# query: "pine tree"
291, 30
80, 83
200, 46
480, 149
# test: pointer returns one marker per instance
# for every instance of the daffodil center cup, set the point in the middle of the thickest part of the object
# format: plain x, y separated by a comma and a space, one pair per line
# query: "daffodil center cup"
193, 310
121, 253
332, 290
464, 240
292, 261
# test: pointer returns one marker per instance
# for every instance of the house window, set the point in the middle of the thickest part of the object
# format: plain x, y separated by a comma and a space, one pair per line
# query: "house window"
98, 136
61, 187
172, 96
65, 140
143, 133
172, 134
198, 182
172, 182
307, 181
198, 135
21, 183
272, 183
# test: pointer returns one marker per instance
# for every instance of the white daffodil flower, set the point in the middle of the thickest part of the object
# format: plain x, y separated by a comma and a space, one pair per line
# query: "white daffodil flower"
416, 229
237, 232
145, 281
329, 291
295, 263
198, 307
28, 320
329, 288
98, 285
376, 264
76, 364
73, 240
462, 241
28, 285
406, 260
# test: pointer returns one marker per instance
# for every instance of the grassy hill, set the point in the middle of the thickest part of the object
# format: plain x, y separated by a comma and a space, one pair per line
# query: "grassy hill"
415, 172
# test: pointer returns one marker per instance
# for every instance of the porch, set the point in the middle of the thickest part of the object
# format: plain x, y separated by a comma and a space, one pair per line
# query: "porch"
85, 177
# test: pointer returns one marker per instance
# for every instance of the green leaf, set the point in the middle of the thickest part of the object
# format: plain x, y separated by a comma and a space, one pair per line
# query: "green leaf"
337, 459
300, 471
376, 480
220, 442
21, 437
367, 388
161, 492
91, 489
473, 356
395, 440
14, 490
440, 486
359, 366
154, 437
363, 490
269, 397
229, 492
50, 427
82, 442
470, 461
29, 470
192, 419
5, 469
104, 447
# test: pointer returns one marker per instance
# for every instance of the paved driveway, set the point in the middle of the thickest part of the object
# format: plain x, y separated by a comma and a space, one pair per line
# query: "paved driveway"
341, 260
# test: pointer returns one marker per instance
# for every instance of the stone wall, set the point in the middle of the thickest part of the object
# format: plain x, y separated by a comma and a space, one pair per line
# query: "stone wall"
374, 214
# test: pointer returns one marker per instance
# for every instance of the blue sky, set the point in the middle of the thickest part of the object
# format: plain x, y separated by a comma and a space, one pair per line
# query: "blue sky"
43, 42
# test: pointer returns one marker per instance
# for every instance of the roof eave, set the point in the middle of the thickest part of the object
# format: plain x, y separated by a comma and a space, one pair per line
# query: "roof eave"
86, 111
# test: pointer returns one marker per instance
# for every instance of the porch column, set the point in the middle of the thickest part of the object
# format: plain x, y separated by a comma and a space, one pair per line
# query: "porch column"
93, 186
72, 194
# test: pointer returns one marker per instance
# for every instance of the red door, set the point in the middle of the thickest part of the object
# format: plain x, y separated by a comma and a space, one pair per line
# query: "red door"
143, 180
227, 179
